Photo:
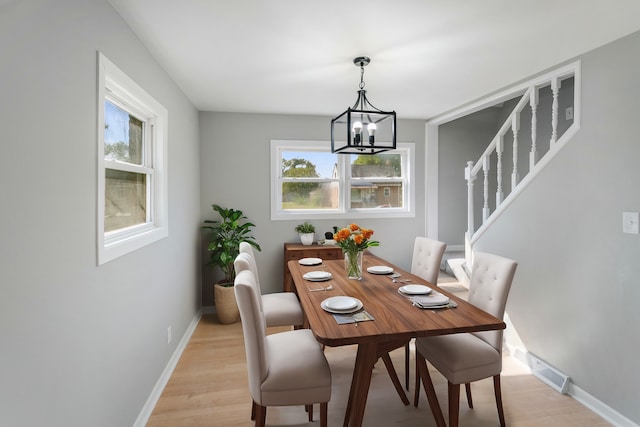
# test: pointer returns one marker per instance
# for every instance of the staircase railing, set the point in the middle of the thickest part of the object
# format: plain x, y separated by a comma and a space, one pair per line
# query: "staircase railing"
538, 154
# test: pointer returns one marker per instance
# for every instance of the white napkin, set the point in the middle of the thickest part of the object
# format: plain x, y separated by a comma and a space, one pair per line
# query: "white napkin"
433, 300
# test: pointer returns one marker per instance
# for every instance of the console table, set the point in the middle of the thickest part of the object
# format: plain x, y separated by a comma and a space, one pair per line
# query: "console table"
295, 251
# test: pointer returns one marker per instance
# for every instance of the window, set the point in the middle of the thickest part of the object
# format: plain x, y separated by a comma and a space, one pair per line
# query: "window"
308, 181
132, 185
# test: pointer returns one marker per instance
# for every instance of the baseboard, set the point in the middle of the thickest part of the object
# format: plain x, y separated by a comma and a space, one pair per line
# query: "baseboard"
605, 411
147, 409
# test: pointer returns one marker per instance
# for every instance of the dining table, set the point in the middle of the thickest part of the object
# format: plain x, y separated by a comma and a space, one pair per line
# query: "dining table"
387, 319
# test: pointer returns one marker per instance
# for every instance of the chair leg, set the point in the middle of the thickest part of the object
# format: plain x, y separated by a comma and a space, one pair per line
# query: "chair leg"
406, 366
323, 414
416, 391
394, 378
467, 387
261, 415
253, 410
454, 404
498, 391
309, 409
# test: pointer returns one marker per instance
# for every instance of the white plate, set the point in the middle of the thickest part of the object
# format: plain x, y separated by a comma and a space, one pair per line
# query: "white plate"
341, 303
433, 300
317, 276
329, 303
380, 269
415, 289
310, 261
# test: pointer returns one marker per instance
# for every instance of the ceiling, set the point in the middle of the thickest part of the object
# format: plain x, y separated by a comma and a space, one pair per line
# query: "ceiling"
427, 56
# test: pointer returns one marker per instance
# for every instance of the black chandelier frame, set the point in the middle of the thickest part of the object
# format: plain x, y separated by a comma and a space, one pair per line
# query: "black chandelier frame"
363, 115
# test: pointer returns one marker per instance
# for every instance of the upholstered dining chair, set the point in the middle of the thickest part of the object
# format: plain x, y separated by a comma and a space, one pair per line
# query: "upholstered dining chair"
280, 308
465, 358
284, 369
425, 263
426, 259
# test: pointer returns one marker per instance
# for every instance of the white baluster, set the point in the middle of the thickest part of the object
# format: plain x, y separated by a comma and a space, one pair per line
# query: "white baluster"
533, 103
468, 176
485, 168
499, 149
555, 88
515, 127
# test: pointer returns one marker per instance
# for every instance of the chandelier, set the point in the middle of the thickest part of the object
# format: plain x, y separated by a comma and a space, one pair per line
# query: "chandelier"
363, 128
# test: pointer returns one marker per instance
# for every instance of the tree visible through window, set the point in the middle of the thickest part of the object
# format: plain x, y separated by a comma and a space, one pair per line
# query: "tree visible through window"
298, 194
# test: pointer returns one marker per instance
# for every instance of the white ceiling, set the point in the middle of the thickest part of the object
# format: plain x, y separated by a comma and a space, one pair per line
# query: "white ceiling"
427, 56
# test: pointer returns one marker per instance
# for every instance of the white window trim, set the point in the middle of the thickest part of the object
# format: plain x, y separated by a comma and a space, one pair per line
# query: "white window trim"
120, 242
277, 214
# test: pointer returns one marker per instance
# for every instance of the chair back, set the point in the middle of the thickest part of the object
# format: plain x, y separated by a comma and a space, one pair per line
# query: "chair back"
246, 248
427, 255
491, 278
244, 262
254, 330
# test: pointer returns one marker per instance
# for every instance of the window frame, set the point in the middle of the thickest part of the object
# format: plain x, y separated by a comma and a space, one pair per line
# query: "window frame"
406, 149
119, 89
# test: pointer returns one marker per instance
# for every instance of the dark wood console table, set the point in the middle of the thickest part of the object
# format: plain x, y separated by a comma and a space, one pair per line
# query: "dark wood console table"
295, 251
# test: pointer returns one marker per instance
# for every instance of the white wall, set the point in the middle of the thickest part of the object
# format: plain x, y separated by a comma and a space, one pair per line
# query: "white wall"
82, 345
235, 173
575, 296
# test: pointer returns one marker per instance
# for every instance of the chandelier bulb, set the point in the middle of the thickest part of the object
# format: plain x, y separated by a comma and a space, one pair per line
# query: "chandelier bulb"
371, 130
357, 133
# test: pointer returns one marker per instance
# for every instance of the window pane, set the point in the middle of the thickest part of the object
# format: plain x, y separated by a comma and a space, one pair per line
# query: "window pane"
122, 135
125, 199
366, 194
309, 195
308, 164
378, 165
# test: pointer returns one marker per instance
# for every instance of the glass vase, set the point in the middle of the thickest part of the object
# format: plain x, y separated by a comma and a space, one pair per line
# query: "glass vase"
353, 264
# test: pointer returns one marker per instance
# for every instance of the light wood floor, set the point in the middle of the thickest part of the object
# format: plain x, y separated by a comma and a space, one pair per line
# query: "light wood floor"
209, 388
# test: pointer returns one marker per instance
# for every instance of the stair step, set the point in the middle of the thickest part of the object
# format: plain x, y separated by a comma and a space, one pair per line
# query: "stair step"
454, 263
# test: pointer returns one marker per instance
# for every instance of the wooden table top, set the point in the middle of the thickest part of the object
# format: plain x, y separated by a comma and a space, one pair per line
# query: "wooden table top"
395, 316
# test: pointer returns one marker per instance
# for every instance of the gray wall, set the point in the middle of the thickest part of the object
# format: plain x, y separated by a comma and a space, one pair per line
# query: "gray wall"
576, 293
82, 345
460, 141
235, 173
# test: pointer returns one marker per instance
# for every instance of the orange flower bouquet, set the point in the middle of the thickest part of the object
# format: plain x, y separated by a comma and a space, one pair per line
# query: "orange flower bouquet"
353, 240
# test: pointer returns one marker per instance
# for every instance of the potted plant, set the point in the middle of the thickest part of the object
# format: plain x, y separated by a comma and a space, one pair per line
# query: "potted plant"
306, 230
224, 241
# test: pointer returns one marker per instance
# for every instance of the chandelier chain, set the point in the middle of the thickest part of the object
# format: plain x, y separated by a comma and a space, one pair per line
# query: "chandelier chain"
361, 76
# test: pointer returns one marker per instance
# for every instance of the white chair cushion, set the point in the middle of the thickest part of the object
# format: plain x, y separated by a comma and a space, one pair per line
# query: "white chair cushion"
298, 372
461, 358
282, 309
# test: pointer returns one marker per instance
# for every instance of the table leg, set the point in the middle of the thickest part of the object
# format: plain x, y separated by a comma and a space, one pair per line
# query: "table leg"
365, 359
431, 393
